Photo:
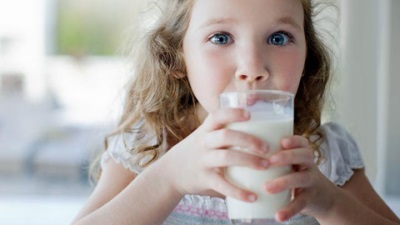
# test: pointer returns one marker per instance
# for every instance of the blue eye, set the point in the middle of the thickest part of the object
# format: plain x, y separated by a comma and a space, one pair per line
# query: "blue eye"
279, 39
220, 39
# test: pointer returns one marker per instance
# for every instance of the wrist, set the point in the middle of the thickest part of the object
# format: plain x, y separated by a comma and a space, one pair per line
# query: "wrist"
333, 210
171, 168
162, 174
168, 171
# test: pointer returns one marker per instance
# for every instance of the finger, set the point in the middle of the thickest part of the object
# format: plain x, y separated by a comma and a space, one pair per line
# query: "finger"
226, 138
294, 142
220, 118
293, 180
302, 156
226, 158
294, 207
221, 185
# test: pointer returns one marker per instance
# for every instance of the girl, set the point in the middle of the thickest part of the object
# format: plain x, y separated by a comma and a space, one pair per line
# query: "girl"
165, 163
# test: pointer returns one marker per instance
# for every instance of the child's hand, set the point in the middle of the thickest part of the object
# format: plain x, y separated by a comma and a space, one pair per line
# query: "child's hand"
197, 161
313, 192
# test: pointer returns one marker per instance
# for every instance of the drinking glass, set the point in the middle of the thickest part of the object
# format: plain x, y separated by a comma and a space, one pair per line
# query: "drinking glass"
271, 119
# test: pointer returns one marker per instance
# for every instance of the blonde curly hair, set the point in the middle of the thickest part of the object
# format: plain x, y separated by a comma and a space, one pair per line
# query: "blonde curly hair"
162, 98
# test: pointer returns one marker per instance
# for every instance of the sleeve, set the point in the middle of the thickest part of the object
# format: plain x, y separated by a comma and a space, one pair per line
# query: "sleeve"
120, 153
341, 154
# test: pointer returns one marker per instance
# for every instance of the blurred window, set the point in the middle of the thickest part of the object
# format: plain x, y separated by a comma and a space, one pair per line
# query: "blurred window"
91, 27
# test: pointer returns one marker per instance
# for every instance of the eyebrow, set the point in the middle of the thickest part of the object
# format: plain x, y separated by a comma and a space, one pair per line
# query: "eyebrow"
283, 20
289, 21
217, 21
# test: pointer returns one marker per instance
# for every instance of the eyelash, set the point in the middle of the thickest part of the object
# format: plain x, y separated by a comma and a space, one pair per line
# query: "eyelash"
291, 38
220, 33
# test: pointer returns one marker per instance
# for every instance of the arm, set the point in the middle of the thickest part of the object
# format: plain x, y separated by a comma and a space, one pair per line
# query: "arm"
315, 195
193, 166
117, 199
358, 203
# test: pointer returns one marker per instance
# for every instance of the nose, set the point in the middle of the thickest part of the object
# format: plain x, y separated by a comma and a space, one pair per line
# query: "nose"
252, 67
250, 78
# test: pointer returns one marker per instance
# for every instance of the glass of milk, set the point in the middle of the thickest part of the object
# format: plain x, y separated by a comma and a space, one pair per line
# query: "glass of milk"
271, 120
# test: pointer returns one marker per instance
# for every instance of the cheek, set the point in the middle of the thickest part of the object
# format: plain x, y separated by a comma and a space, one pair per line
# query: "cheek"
292, 67
208, 71
208, 75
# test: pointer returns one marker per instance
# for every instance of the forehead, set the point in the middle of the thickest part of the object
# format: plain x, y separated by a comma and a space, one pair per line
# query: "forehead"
256, 11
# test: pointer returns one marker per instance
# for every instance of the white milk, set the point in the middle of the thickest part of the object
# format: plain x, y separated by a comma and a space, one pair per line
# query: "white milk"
272, 131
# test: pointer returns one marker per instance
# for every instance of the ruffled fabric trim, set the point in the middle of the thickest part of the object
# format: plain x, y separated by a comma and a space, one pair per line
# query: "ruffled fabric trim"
119, 150
341, 152
129, 164
205, 202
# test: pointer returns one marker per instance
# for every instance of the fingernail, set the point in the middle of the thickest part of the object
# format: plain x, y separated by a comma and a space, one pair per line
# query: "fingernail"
268, 187
274, 159
264, 163
265, 147
282, 216
246, 114
285, 141
252, 198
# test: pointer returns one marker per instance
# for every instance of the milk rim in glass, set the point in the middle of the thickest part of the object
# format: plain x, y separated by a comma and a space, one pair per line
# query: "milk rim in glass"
271, 120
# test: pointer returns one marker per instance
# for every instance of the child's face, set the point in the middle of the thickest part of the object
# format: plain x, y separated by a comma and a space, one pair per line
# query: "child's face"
251, 44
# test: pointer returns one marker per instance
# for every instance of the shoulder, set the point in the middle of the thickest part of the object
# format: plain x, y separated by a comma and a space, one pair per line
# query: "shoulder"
336, 133
337, 140
123, 149
120, 150
340, 152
